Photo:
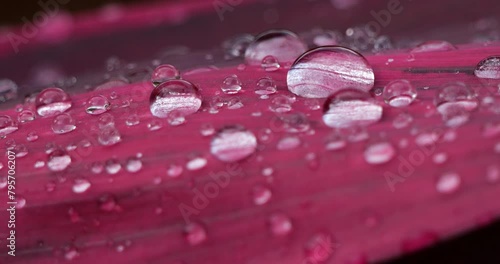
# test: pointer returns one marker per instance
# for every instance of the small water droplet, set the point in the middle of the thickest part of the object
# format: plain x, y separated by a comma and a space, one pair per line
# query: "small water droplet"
154, 125
432, 46
280, 224
207, 130
233, 143
448, 183
63, 124
52, 101
97, 105
379, 153
81, 185
58, 160
265, 86
108, 136
350, 108
261, 195
270, 63
196, 163
231, 85
488, 68
324, 71
440, 158
26, 116
335, 142
455, 94
402, 120
288, 143
195, 234
113, 166
133, 165
7, 125
174, 170
281, 104
32, 136
164, 73
177, 97
284, 45
399, 93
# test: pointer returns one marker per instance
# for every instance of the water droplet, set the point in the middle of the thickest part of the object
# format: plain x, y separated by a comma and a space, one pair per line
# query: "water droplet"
133, 165
113, 166
440, 158
8, 90
58, 160
231, 85
280, 224
174, 170
402, 120
267, 171
448, 183
164, 73
335, 142
350, 108
81, 185
196, 163
108, 203
288, 143
320, 248
207, 130
270, 63
379, 153
52, 101
195, 234
281, 104
455, 115
32, 136
427, 139
433, 45
177, 97
26, 116
63, 124
108, 136
97, 105
292, 123
455, 95
261, 195
399, 93
154, 125
488, 68
7, 125
324, 71
265, 86
233, 143
284, 45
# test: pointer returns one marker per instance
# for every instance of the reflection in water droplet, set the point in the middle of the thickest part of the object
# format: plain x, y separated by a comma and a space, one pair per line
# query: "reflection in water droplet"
231, 85
448, 183
233, 143
280, 224
178, 97
433, 45
488, 68
379, 153
63, 124
195, 234
58, 160
52, 101
284, 45
350, 108
97, 105
399, 93
164, 73
324, 71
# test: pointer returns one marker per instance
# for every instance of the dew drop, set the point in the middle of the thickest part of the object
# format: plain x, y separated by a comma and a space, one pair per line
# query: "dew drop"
448, 183
174, 170
265, 86
335, 142
58, 160
233, 143
281, 104
283, 45
195, 234
154, 125
231, 85
432, 46
455, 95
280, 224
270, 63
379, 153
7, 125
26, 116
8, 90
177, 97
351, 108
164, 73
63, 124
261, 195
112, 166
97, 105
288, 143
52, 101
133, 165
207, 130
399, 93
108, 136
132, 120
440, 158
324, 71
81, 185
488, 68
402, 120
196, 163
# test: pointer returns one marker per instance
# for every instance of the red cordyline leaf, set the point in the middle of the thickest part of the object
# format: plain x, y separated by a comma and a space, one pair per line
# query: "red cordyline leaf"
306, 204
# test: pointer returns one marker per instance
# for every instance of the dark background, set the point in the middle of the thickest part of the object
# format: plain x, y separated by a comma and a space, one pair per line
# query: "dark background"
480, 246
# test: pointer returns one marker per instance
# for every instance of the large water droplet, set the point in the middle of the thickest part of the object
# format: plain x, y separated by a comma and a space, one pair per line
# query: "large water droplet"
52, 101
488, 68
164, 73
379, 153
177, 97
7, 125
63, 124
323, 71
351, 108
97, 105
8, 90
233, 143
59, 160
399, 93
283, 45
